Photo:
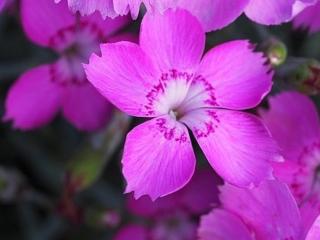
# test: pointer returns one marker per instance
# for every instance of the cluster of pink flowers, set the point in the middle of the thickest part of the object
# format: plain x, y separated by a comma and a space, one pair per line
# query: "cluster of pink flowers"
270, 163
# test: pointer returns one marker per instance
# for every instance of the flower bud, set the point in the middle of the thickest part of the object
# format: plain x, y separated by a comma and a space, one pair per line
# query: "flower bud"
276, 51
310, 78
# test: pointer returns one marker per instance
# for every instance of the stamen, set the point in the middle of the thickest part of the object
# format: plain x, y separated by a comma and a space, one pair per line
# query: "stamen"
173, 114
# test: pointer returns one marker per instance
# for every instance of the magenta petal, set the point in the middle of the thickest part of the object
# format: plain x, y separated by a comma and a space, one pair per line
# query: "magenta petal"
309, 211
160, 5
292, 110
33, 100
197, 197
42, 19
124, 6
87, 7
145, 207
2, 4
130, 231
269, 210
85, 108
214, 14
158, 158
223, 225
227, 139
238, 75
124, 75
174, 40
270, 12
126, 36
108, 26
314, 232
309, 18
201, 193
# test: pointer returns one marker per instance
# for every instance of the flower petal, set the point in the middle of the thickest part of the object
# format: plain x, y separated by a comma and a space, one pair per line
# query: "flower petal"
174, 40
216, 14
292, 110
300, 5
197, 197
124, 75
271, 12
227, 139
33, 100
87, 7
309, 211
145, 207
85, 108
223, 225
158, 158
314, 232
108, 26
127, 232
124, 6
201, 193
269, 210
238, 75
160, 5
3, 3
309, 18
42, 19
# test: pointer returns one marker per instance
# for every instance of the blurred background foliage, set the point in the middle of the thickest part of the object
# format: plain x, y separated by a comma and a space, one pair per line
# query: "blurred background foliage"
58, 183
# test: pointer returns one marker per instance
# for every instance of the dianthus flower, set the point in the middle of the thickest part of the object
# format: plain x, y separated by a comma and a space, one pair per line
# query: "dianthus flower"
294, 123
309, 18
174, 217
40, 93
213, 14
267, 212
164, 78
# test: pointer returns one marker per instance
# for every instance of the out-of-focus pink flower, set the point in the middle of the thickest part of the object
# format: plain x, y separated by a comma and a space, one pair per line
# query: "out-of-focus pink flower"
175, 217
40, 93
309, 18
294, 123
216, 14
164, 78
2, 4
262, 213
213, 14
5, 4
132, 231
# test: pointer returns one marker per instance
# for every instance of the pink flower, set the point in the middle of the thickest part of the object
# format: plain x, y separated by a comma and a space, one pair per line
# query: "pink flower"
5, 4
294, 123
173, 217
309, 18
2, 4
267, 212
213, 14
40, 93
165, 79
